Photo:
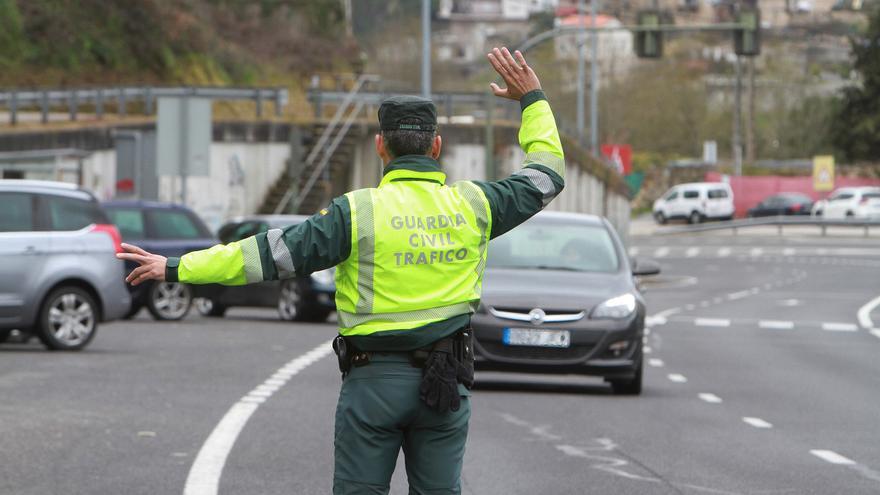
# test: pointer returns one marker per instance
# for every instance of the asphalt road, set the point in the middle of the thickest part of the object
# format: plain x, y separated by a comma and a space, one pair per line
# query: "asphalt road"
762, 379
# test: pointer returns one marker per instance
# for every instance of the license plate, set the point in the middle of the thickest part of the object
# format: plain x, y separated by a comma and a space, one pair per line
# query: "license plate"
537, 337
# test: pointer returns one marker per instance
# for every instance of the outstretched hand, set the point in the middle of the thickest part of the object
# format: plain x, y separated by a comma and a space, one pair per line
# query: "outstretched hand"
518, 76
152, 266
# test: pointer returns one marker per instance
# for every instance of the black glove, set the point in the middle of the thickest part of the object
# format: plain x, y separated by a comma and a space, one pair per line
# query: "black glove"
439, 387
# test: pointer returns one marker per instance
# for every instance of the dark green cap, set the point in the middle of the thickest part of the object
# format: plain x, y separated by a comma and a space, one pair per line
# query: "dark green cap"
419, 114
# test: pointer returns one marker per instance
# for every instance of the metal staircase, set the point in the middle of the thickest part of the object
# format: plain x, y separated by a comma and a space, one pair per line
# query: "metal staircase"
310, 188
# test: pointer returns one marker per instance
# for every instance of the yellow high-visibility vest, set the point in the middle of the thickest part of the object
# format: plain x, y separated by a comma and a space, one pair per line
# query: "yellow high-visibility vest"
418, 253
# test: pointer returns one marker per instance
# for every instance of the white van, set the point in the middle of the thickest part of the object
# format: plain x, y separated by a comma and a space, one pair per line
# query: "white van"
696, 202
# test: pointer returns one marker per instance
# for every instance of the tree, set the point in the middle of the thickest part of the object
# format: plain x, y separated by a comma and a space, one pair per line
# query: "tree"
856, 128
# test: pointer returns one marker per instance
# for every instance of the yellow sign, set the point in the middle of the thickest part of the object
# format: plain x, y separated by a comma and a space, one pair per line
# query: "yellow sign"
823, 173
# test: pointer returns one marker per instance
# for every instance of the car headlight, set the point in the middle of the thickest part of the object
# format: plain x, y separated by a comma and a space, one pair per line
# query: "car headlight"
324, 277
616, 307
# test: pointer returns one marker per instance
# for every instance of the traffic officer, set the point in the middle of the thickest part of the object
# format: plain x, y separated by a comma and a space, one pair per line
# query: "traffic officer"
411, 255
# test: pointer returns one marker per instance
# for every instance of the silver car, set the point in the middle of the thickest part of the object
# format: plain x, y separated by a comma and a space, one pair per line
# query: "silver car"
58, 273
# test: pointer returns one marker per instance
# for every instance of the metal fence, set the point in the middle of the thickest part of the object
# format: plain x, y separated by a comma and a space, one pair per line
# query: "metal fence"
98, 99
780, 222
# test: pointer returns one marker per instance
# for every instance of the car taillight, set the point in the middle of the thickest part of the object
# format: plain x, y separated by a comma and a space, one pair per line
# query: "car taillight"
796, 207
112, 231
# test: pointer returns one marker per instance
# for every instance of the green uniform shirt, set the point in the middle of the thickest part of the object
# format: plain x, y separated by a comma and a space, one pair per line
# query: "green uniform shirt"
324, 240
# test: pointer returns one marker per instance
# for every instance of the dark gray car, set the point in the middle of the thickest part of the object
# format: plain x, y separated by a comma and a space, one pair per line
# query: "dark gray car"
559, 297
59, 275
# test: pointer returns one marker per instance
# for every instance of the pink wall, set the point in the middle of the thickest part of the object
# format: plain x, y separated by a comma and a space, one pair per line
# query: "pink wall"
748, 191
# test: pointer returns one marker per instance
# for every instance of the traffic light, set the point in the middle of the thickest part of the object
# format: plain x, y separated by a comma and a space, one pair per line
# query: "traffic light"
747, 39
649, 42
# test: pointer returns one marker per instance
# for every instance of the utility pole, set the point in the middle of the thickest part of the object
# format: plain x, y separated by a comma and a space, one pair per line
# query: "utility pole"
581, 72
737, 119
426, 48
751, 152
594, 81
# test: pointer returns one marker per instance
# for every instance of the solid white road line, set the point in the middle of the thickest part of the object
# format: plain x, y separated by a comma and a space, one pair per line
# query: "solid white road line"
757, 422
661, 252
692, 251
776, 324
864, 313
710, 398
657, 363
723, 252
204, 475
832, 457
677, 378
840, 327
712, 322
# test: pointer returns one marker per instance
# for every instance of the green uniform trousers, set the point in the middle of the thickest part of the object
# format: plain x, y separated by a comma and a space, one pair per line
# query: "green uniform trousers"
379, 412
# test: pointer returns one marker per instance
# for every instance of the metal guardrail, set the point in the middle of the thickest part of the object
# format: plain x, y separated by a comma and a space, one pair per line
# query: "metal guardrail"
778, 221
14, 101
447, 103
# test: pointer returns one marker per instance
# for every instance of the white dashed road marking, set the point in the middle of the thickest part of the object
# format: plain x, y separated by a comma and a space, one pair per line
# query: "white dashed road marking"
633, 251
661, 252
677, 378
875, 332
710, 398
788, 251
204, 475
692, 251
832, 457
723, 252
776, 324
840, 327
756, 252
712, 322
757, 422
739, 295
657, 363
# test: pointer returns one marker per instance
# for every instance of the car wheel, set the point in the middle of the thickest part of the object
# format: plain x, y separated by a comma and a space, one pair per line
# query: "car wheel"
695, 218
4, 334
850, 214
207, 307
68, 319
632, 386
660, 218
290, 303
169, 300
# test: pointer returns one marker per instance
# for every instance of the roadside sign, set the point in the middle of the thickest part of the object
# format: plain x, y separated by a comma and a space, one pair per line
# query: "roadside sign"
823, 173
620, 156
184, 136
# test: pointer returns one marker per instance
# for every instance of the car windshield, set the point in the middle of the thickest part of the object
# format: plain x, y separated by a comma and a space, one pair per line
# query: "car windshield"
541, 245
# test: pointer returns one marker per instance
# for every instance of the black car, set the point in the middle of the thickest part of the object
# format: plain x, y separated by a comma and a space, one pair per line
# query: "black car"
783, 204
166, 229
559, 297
308, 298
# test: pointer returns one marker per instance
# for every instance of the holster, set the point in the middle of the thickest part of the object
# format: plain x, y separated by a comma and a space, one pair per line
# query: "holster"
348, 355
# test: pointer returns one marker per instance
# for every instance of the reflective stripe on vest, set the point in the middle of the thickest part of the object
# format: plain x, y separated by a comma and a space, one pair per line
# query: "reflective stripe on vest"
417, 256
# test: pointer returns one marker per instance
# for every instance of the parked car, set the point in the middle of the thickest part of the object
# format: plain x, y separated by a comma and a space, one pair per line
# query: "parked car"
559, 297
166, 229
783, 204
850, 202
59, 276
695, 202
303, 298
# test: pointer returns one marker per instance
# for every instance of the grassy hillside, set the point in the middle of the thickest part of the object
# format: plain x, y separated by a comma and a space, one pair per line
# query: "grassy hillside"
90, 42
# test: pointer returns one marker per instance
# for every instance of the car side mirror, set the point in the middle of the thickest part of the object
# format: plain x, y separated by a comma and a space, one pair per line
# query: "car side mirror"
642, 267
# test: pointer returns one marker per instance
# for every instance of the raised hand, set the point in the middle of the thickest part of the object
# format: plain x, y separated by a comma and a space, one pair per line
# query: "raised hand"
518, 76
152, 265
